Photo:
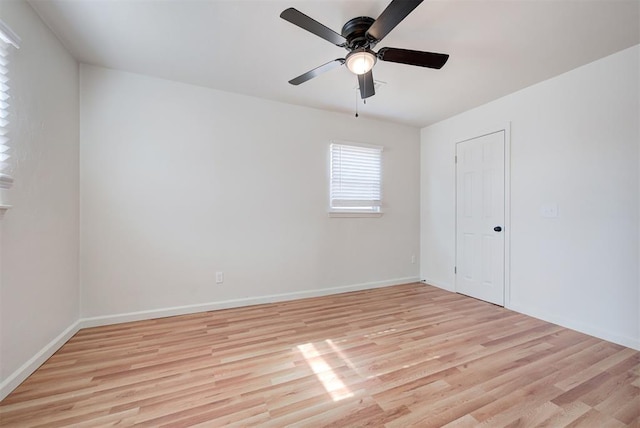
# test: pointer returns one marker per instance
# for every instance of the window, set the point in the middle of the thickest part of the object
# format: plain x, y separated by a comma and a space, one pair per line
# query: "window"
356, 179
8, 41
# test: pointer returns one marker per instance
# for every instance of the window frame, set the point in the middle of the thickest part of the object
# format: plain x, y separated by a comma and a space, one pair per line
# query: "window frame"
366, 211
9, 41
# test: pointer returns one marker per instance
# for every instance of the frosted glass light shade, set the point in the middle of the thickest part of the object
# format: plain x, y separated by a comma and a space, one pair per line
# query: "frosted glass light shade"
360, 62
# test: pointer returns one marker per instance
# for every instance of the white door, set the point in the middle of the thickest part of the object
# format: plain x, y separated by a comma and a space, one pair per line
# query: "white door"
480, 214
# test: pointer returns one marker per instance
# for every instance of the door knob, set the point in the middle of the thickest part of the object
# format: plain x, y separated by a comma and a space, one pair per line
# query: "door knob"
497, 229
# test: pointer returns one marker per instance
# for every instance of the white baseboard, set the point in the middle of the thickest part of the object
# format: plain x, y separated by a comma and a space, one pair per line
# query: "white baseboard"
19, 376
591, 330
629, 342
438, 284
37, 360
235, 303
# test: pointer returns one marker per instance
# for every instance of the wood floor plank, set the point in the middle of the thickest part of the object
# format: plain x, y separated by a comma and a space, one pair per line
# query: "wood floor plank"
407, 355
565, 415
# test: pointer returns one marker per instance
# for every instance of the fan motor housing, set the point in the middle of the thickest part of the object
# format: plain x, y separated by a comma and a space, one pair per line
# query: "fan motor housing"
355, 31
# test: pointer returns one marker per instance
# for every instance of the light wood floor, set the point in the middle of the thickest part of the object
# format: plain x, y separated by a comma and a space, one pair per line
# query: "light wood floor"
397, 356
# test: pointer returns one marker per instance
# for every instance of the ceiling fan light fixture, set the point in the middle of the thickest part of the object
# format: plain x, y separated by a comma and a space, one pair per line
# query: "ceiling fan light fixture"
361, 61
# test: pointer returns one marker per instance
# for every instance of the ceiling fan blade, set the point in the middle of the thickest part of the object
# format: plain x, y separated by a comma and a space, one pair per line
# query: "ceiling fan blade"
298, 18
365, 81
419, 58
390, 17
317, 71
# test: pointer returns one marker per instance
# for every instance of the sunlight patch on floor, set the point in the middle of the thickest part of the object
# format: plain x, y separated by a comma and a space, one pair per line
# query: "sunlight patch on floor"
325, 374
379, 333
341, 354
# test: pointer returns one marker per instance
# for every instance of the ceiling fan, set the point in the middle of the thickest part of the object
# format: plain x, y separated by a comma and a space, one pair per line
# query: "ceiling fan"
359, 36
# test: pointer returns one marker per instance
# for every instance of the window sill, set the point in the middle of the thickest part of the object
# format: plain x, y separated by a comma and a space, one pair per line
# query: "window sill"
353, 214
3, 209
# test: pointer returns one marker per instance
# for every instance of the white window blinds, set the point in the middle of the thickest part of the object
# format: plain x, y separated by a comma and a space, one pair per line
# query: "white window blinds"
8, 41
356, 177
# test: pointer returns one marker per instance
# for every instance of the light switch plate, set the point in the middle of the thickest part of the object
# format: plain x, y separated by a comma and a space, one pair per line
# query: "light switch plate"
549, 210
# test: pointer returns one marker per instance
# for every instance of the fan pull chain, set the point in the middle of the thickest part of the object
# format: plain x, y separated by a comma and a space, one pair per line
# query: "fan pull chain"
356, 91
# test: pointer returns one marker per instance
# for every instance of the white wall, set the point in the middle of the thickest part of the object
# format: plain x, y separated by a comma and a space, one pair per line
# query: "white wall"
179, 181
574, 142
39, 296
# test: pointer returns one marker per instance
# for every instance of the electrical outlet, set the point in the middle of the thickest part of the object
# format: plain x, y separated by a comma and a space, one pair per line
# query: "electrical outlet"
219, 277
413, 259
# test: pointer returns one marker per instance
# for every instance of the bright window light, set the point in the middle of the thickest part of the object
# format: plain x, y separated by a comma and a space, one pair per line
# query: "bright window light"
356, 178
8, 41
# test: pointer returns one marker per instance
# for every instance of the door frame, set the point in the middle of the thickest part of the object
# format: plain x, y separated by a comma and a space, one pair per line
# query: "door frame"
506, 127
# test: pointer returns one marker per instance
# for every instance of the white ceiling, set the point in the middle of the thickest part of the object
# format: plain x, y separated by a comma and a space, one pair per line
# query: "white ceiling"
242, 46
